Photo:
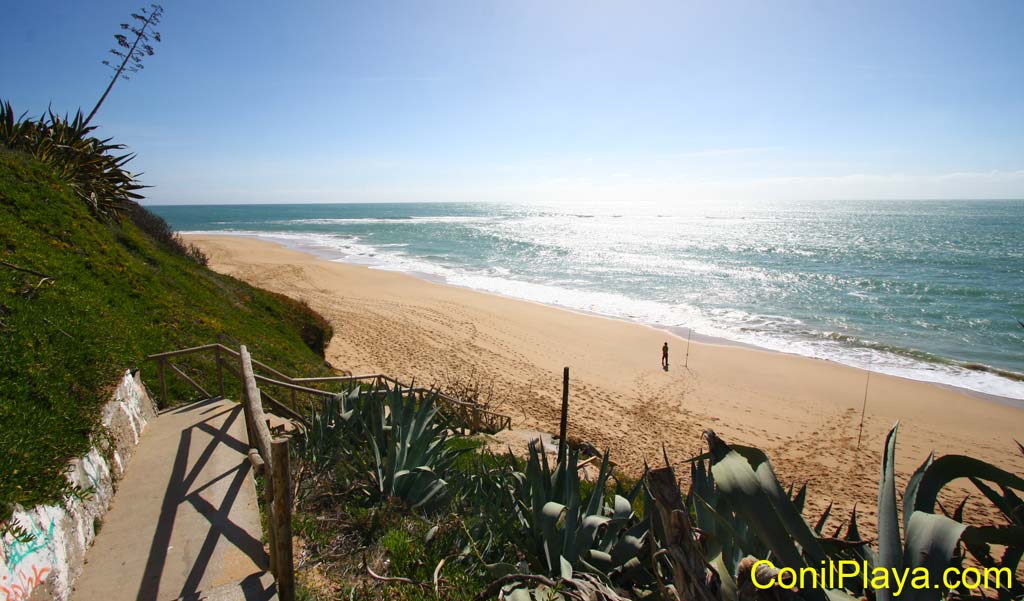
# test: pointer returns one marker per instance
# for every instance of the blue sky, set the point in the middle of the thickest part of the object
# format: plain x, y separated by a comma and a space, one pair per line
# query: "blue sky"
545, 101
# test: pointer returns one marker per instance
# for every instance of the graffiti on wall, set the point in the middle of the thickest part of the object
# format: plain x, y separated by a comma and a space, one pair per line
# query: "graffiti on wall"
27, 559
25, 581
57, 536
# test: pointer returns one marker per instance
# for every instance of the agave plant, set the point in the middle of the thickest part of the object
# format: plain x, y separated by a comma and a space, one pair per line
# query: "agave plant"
391, 433
741, 513
932, 541
569, 531
325, 433
487, 488
740, 496
88, 164
330, 437
408, 445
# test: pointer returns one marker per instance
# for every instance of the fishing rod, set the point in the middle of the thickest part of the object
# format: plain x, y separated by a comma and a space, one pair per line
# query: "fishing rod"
864, 405
686, 362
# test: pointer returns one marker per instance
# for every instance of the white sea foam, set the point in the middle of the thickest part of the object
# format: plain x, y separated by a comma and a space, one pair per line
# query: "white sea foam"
764, 331
380, 220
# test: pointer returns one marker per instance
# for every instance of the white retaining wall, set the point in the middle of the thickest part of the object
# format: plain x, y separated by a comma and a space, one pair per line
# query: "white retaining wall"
46, 567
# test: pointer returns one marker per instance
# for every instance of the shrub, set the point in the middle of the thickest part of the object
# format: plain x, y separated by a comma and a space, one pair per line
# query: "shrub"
158, 229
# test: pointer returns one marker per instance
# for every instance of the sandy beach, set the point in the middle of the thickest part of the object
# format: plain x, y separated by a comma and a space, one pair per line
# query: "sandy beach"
803, 412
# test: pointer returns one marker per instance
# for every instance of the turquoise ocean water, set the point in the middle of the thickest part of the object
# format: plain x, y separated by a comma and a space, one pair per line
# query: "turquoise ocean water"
929, 290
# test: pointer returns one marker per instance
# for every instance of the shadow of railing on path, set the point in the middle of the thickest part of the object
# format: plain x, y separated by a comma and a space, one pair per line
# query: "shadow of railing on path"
267, 455
188, 484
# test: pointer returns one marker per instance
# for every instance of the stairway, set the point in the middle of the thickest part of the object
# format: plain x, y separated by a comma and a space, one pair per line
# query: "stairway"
184, 523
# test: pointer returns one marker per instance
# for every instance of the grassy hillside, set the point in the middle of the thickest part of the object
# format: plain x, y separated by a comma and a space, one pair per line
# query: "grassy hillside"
116, 294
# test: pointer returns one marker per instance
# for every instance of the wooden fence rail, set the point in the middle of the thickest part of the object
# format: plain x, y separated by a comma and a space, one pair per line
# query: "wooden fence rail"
475, 417
269, 456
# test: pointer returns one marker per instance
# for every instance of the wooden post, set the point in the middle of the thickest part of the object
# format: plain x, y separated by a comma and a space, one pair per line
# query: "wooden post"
565, 416
283, 519
268, 502
253, 400
247, 414
220, 371
258, 465
247, 411
263, 443
163, 383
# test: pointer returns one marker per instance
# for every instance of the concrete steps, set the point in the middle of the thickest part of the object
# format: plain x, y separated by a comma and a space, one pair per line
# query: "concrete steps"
184, 523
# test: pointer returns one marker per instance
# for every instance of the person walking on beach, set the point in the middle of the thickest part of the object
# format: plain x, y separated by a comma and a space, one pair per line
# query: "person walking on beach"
664, 357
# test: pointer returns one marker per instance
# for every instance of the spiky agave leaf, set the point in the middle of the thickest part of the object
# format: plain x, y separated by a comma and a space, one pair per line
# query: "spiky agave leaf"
408, 446
890, 547
923, 495
744, 476
801, 498
820, 524
932, 541
747, 479
590, 534
89, 165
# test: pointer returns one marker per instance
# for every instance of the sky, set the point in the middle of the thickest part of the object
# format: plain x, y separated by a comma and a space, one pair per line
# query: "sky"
540, 101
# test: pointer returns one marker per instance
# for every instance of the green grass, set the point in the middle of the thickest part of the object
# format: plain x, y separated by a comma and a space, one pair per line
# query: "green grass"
346, 527
397, 541
117, 295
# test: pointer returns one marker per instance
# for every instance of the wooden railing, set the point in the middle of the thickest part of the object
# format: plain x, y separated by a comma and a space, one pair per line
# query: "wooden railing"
474, 417
269, 455
471, 416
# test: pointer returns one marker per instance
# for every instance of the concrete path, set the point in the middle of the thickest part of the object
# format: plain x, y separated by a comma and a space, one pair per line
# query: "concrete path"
184, 522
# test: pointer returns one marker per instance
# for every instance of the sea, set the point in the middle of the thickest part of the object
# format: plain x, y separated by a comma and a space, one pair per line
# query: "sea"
928, 290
